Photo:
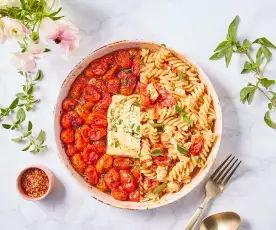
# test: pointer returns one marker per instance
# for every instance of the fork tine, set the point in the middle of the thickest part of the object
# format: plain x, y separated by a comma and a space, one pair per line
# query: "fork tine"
225, 172
231, 174
214, 175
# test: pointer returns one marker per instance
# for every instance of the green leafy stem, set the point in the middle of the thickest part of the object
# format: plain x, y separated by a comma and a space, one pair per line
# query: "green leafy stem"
262, 57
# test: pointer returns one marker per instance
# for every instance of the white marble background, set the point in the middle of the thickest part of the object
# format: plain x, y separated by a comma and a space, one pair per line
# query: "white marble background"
194, 28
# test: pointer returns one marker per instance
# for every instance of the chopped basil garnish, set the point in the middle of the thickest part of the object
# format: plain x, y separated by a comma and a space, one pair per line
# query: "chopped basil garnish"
160, 130
182, 114
157, 125
180, 75
181, 150
159, 188
157, 152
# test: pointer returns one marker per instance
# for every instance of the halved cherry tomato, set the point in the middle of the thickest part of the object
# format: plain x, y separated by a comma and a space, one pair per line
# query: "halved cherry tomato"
78, 86
105, 101
88, 72
112, 178
90, 93
167, 99
128, 181
69, 104
98, 67
111, 73
70, 118
108, 59
90, 175
97, 133
134, 196
101, 184
122, 58
97, 118
104, 164
78, 163
197, 145
123, 163
150, 184
100, 85
119, 194
85, 129
90, 155
136, 65
80, 142
113, 85
67, 136
100, 145
71, 150
144, 97
128, 83
82, 111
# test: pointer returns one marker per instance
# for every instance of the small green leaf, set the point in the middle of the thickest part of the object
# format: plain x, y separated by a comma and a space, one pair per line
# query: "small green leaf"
231, 35
268, 120
22, 2
246, 43
269, 106
266, 82
56, 18
178, 109
259, 56
41, 136
263, 41
20, 95
160, 188
6, 126
186, 120
180, 75
30, 126
21, 115
38, 75
222, 45
157, 152
30, 90
14, 103
56, 12
26, 148
267, 53
47, 50
228, 55
181, 150
250, 96
17, 139
218, 55
156, 125
245, 92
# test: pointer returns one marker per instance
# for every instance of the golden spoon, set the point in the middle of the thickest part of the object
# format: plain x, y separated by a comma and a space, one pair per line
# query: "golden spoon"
221, 221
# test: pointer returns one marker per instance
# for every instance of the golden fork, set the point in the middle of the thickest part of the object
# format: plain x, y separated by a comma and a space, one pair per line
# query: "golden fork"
215, 185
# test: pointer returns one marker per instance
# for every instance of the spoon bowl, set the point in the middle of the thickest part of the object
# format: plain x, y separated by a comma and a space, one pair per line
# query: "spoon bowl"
221, 221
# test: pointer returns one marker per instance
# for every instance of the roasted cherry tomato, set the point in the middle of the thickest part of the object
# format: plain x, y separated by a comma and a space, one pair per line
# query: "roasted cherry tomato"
112, 178
88, 104
144, 97
70, 118
134, 196
84, 130
150, 184
80, 141
97, 133
78, 163
128, 181
197, 145
97, 118
113, 85
136, 65
122, 58
111, 73
108, 59
67, 136
71, 150
128, 83
100, 85
69, 104
105, 101
98, 67
82, 111
78, 86
90, 155
100, 110
104, 164
162, 160
119, 194
90, 175
91, 93
167, 99
88, 72
136, 172
100, 145
101, 184
123, 163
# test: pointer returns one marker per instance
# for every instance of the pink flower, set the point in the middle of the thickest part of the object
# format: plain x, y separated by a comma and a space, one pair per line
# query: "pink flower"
14, 29
35, 49
63, 33
24, 62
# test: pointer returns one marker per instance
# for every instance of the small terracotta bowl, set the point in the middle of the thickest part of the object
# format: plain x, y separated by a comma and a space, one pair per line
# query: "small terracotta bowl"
44, 169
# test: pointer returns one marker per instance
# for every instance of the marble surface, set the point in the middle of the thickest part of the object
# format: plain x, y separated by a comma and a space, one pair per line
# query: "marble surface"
194, 28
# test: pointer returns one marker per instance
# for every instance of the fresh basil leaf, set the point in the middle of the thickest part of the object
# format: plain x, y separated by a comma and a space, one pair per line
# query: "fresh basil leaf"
258, 57
26, 148
23, 5
30, 126
246, 43
178, 109
228, 55
267, 53
231, 35
41, 136
245, 92
222, 45
266, 82
6, 126
250, 96
56, 18
218, 55
156, 125
30, 90
14, 103
160, 188
186, 120
180, 75
17, 139
38, 75
157, 152
263, 41
182, 150
55, 13
268, 120
21, 115
269, 106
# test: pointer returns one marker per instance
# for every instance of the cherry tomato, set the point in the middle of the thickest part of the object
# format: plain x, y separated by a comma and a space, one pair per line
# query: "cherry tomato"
90, 175
84, 130
90, 155
97, 118
128, 181
196, 146
134, 196
108, 59
67, 136
144, 97
159, 146
123, 163
128, 83
104, 164
80, 141
69, 104
111, 73
150, 184
136, 172
88, 72
166, 98
119, 194
97, 133
78, 163
122, 58
88, 104
98, 67
112, 178
100, 110
105, 101
70, 118
78, 86
100, 85
100, 145
101, 184
113, 85
91, 93
133, 52
71, 150
82, 111
136, 66
162, 160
